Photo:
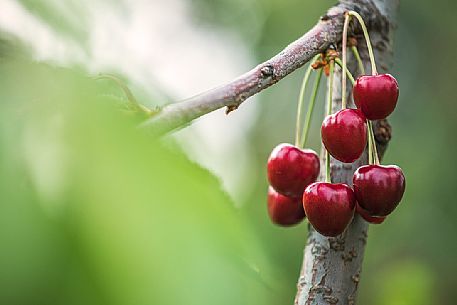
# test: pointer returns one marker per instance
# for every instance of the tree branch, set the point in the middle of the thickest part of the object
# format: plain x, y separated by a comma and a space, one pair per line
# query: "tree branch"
231, 95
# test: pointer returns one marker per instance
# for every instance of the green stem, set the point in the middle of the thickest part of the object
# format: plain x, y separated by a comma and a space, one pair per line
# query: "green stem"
372, 150
309, 113
344, 47
373, 142
328, 177
301, 99
348, 73
374, 71
359, 60
329, 112
330, 87
370, 143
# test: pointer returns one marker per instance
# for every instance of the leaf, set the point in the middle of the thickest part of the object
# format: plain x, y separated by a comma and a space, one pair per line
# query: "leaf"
105, 212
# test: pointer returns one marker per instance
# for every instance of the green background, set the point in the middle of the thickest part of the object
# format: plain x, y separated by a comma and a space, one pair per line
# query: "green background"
94, 211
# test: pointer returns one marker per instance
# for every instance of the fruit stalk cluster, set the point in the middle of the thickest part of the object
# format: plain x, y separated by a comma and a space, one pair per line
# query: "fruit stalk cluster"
292, 170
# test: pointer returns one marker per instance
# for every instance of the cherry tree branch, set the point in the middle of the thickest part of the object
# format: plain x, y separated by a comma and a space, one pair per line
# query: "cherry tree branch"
325, 33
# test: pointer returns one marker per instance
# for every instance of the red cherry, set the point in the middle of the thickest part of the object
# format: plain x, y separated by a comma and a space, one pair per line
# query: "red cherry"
378, 188
329, 207
365, 215
376, 95
344, 134
291, 169
283, 210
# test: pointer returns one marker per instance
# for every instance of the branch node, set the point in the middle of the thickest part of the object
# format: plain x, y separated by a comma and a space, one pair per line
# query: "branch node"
267, 71
230, 108
325, 17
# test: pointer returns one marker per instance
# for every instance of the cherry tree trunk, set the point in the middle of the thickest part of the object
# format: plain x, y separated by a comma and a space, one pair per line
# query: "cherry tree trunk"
332, 267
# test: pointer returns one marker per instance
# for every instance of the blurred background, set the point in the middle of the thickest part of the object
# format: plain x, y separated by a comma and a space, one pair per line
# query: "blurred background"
94, 211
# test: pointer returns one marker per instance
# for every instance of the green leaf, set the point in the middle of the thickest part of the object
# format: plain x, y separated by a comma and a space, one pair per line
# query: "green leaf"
109, 215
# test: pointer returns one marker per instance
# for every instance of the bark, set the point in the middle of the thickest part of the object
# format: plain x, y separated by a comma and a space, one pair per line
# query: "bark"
332, 266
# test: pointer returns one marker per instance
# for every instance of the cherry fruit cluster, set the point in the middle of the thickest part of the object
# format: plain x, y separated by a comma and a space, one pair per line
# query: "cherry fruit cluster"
377, 189
290, 170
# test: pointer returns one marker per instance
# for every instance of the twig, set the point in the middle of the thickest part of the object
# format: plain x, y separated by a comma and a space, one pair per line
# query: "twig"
325, 33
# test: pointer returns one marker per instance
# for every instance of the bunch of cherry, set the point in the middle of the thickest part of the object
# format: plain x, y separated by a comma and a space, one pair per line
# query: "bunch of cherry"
377, 190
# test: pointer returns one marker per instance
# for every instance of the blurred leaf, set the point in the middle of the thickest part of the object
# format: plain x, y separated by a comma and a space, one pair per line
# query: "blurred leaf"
94, 206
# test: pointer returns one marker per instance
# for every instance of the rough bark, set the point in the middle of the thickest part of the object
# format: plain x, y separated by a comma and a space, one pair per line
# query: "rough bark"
332, 266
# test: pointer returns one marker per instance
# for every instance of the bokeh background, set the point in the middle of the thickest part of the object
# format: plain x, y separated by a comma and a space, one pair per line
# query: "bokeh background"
95, 211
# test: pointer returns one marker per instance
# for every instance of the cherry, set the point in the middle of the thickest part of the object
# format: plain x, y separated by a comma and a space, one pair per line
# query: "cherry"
283, 210
379, 188
329, 207
344, 134
376, 95
365, 215
291, 169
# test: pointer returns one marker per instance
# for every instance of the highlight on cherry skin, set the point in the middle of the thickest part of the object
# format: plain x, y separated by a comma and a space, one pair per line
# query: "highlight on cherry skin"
329, 207
367, 217
376, 95
290, 169
344, 134
378, 188
283, 210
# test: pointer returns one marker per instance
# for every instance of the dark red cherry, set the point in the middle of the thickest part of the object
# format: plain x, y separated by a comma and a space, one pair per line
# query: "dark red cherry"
283, 210
365, 215
379, 188
344, 134
376, 95
291, 169
329, 207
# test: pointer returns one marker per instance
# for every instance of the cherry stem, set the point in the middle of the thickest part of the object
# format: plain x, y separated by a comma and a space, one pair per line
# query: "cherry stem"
300, 101
329, 112
311, 104
348, 73
372, 150
375, 157
374, 71
370, 144
330, 87
347, 18
359, 60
